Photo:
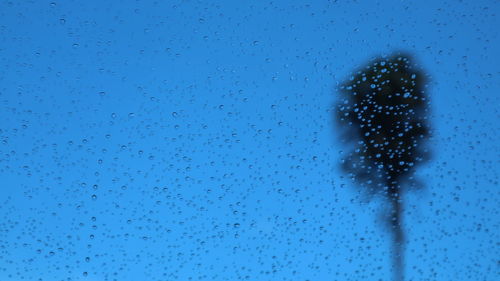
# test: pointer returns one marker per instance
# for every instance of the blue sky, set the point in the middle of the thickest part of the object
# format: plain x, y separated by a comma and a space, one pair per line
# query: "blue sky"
193, 140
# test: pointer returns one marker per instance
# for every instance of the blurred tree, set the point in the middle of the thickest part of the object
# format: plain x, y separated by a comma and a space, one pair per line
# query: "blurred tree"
383, 111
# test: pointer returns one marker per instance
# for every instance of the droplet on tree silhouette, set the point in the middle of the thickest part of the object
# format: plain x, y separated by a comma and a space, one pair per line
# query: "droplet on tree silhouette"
384, 115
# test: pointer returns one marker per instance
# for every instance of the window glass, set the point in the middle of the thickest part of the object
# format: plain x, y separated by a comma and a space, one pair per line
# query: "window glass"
197, 140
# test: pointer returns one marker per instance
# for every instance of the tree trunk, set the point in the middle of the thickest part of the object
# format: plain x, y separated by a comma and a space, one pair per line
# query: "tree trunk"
397, 230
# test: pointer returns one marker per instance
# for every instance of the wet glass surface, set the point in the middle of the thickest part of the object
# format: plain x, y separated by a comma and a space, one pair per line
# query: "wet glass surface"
197, 140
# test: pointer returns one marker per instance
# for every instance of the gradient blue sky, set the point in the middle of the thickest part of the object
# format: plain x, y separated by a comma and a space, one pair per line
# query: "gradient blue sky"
193, 140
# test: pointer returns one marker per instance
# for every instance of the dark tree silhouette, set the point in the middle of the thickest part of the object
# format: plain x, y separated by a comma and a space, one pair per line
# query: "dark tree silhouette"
384, 110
